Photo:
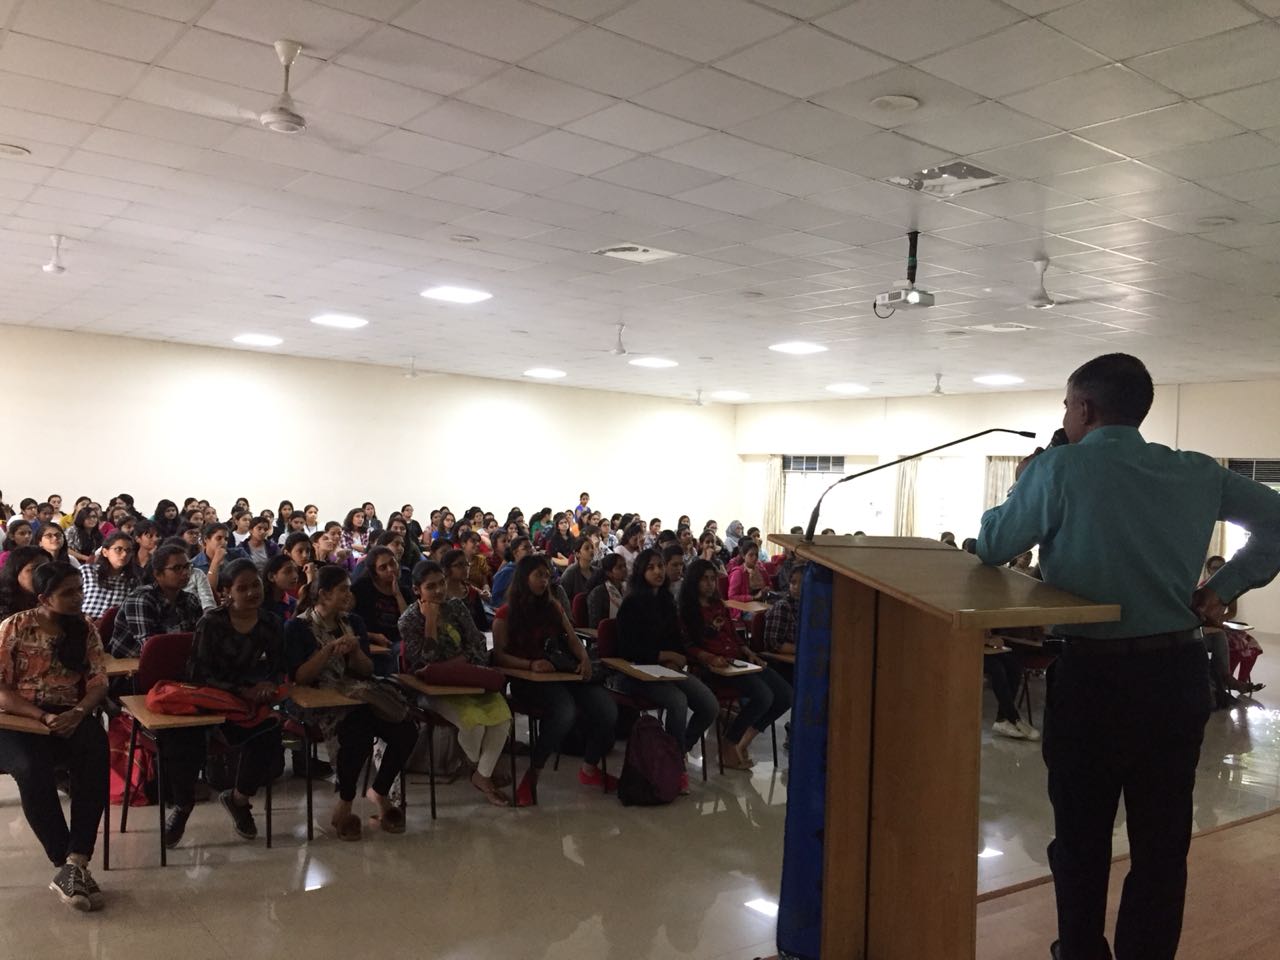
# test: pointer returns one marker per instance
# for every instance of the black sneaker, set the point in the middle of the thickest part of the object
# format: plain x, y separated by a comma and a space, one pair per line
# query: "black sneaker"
96, 900
175, 826
241, 817
68, 884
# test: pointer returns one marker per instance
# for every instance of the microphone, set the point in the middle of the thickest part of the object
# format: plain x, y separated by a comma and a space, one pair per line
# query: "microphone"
817, 507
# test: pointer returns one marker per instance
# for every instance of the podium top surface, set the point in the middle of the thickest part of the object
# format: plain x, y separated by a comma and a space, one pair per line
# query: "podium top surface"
949, 583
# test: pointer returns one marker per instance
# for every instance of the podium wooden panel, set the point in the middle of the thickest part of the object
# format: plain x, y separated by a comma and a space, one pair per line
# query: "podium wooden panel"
904, 713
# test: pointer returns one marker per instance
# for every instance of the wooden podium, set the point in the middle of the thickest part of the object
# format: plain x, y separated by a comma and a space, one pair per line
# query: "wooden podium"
900, 843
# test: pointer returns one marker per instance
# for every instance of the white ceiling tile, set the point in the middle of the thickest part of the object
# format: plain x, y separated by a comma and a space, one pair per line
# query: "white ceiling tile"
418, 61
344, 191
1110, 179
555, 212
1092, 97
656, 175
635, 127
701, 31
197, 95
246, 170
375, 9
1224, 61
1122, 30
173, 9
800, 177
711, 98
1018, 196
1237, 235
359, 94
1037, 7
1039, 158
422, 151
568, 151
855, 231
166, 124
1020, 57
803, 62
1253, 107
118, 143
724, 154
53, 197
1124, 234
516, 174
937, 97
881, 155
482, 196
989, 232
1251, 185
732, 196
475, 126
1246, 151
1160, 129
803, 128
97, 26
70, 65
910, 29
981, 127
19, 126
505, 29
245, 63
596, 194
322, 31
1180, 198
535, 97
118, 168
603, 61
54, 99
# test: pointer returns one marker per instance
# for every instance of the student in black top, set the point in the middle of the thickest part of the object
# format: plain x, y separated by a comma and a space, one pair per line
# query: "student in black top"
379, 602
578, 576
649, 632
560, 542
17, 583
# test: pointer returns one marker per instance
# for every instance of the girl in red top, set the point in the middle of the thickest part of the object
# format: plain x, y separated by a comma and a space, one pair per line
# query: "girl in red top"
523, 629
714, 641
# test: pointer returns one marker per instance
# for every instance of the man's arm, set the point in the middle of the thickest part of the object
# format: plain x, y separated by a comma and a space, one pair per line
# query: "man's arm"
1256, 508
1026, 518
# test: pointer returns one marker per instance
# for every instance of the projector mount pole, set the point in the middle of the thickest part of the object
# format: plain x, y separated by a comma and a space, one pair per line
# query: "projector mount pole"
913, 239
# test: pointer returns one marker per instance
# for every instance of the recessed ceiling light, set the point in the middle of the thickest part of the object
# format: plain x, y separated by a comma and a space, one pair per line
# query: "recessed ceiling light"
13, 150
654, 363
545, 373
456, 294
895, 103
343, 321
797, 347
730, 396
847, 389
998, 380
257, 340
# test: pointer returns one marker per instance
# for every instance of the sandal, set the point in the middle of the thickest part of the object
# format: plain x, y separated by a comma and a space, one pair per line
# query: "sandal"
347, 827
491, 792
392, 820
733, 759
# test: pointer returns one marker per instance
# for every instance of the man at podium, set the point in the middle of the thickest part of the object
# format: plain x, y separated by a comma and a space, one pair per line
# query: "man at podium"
1120, 520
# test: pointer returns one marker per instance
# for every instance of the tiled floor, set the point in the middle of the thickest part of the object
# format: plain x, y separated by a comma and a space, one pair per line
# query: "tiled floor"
578, 877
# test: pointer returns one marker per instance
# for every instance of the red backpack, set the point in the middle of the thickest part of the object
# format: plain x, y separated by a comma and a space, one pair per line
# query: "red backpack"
184, 699
652, 768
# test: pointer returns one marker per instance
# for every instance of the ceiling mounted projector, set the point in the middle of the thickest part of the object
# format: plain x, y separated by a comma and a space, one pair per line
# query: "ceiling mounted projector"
903, 294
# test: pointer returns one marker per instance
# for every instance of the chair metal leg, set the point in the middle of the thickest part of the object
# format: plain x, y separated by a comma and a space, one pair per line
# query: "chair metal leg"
164, 851
128, 775
106, 826
306, 766
719, 747
404, 789
702, 742
431, 766
368, 769
268, 812
533, 748
773, 735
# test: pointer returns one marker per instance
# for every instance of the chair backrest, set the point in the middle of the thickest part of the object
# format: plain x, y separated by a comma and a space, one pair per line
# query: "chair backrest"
723, 582
607, 638
164, 657
579, 609
755, 631
106, 624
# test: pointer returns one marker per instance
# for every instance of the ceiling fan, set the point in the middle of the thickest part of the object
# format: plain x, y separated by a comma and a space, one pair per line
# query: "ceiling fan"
55, 266
619, 348
1040, 299
937, 390
283, 116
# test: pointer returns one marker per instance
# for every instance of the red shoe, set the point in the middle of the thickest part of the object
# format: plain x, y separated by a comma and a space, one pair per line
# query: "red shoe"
524, 792
684, 784
595, 778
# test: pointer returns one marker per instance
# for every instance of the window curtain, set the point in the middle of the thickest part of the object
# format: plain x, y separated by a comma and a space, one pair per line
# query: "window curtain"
1218, 542
774, 498
1000, 477
904, 515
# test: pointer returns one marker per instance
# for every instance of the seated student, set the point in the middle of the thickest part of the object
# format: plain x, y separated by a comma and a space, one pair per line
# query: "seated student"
1229, 649
523, 629
379, 603
478, 574
323, 550
355, 533
435, 629
457, 587
583, 507
709, 550
293, 525
608, 542
412, 553
52, 670
371, 522
649, 632
684, 537
782, 620
241, 520
414, 527
325, 650
673, 565
1005, 670
17, 590
111, 577
517, 550
630, 546
162, 606
284, 512
215, 552
577, 577
84, 536
393, 541
257, 546
297, 547
238, 647
748, 580
53, 541
146, 537
714, 641
753, 534
604, 590
498, 541
560, 542
69, 518
280, 582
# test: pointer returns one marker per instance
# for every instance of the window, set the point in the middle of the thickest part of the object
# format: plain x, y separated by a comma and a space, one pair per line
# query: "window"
1263, 471
811, 463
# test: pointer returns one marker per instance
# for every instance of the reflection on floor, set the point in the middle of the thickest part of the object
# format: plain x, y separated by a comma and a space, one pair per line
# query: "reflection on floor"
578, 877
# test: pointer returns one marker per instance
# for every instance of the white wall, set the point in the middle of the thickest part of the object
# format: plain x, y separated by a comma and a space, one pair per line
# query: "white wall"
167, 420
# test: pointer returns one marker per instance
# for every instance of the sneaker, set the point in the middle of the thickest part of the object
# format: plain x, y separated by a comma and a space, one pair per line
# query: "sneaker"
684, 784
1028, 731
175, 825
241, 817
68, 884
96, 900
1003, 728
594, 778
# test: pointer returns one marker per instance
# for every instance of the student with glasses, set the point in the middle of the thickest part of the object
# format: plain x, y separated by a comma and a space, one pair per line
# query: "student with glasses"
111, 577
162, 606
83, 536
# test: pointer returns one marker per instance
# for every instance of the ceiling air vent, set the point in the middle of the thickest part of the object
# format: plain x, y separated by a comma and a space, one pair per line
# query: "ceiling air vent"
1006, 327
635, 253
948, 180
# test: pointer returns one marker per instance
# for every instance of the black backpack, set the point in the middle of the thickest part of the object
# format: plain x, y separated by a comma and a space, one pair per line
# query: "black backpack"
653, 765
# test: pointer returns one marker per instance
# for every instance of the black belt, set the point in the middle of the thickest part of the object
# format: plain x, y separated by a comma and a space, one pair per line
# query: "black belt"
1121, 646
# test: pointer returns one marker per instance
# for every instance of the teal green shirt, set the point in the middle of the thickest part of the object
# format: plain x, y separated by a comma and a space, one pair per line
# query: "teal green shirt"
1120, 520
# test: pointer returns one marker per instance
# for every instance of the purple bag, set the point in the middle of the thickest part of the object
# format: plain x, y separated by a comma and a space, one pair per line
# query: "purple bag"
652, 768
